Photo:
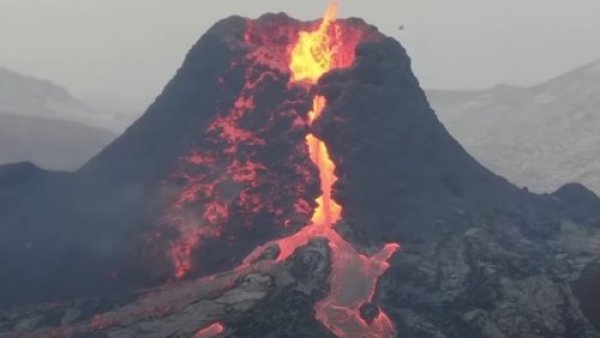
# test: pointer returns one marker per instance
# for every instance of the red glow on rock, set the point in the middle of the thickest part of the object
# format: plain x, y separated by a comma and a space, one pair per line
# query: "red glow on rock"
229, 181
181, 249
211, 331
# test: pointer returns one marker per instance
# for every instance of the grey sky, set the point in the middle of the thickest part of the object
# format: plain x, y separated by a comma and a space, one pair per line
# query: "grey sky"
125, 50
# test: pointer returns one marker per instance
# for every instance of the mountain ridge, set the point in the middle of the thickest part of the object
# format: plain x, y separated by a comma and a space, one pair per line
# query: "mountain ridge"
42, 122
541, 136
50, 143
27, 95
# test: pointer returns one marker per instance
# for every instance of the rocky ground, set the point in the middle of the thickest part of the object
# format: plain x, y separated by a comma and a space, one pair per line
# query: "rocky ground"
494, 279
274, 301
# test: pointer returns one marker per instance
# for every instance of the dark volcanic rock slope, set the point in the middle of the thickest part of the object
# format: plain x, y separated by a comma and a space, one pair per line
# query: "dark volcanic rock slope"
480, 257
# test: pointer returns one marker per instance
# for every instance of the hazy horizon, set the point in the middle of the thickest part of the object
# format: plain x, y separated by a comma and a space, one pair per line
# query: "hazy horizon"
123, 53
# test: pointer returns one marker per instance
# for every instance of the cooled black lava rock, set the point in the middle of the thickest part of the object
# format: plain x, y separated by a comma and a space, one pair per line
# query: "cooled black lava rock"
588, 292
401, 175
369, 312
582, 202
248, 303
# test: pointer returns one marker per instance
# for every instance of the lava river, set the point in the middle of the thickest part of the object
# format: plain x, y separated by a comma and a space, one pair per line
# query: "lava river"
354, 275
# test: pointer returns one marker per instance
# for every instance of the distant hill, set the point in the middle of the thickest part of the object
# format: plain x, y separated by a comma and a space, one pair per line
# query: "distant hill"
25, 95
43, 123
540, 137
51, 144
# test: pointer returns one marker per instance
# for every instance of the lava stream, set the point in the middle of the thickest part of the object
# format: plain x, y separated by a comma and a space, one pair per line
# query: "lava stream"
354, 276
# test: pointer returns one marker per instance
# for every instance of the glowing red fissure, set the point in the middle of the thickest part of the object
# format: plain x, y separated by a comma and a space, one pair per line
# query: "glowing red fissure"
203, 188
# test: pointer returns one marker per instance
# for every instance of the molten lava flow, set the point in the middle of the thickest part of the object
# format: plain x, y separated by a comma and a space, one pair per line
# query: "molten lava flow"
328, 211
312, 55
211, 331
354, 276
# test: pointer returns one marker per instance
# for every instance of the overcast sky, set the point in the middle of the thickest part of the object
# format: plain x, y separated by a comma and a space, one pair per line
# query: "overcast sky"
124, 51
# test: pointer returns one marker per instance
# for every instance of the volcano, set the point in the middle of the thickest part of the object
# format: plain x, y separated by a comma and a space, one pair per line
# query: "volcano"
291, 181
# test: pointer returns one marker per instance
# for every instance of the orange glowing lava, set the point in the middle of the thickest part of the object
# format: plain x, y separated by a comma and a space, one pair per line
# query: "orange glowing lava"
210, 331
328, 211
312, 56
354, 276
